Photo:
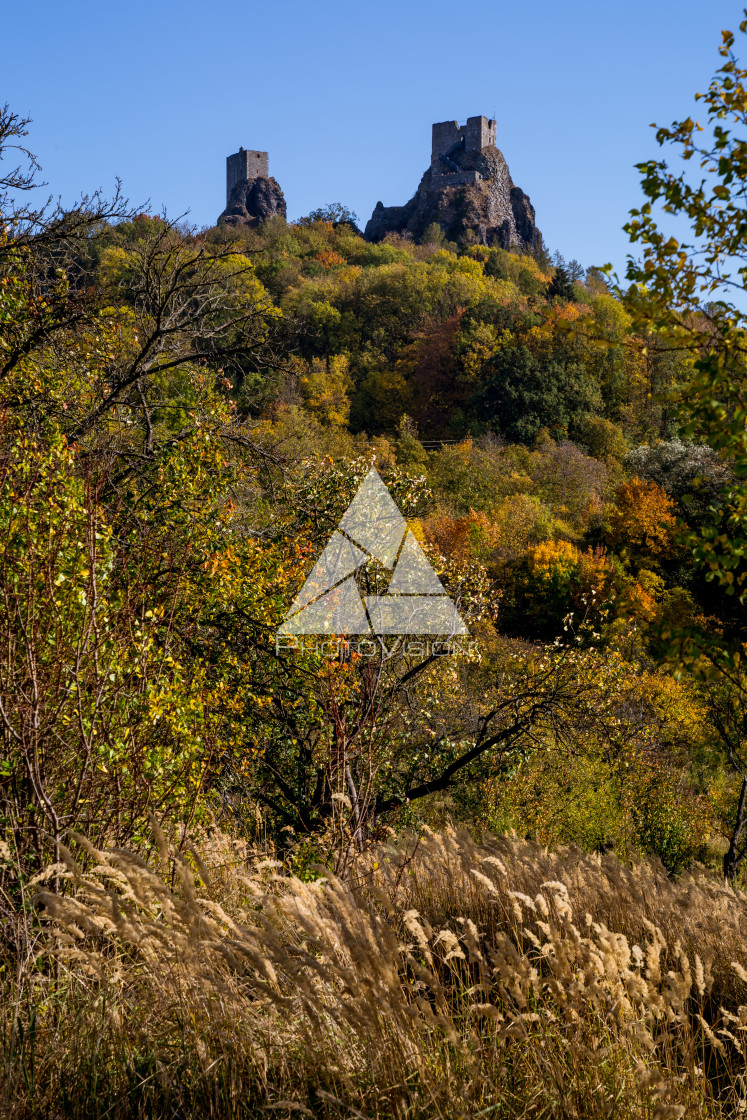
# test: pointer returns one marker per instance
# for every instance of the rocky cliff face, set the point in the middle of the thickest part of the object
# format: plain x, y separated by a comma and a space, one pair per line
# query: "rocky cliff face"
469, 191
252, 201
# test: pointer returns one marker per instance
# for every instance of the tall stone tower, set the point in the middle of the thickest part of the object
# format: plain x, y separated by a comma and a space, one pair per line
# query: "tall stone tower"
243, 166
251, 194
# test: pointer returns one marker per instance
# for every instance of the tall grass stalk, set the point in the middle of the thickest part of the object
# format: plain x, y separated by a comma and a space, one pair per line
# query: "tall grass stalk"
459, 980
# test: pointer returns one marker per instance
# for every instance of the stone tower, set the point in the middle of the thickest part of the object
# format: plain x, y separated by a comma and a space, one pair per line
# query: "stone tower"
467, 190
449, 140
252, 195
243, 166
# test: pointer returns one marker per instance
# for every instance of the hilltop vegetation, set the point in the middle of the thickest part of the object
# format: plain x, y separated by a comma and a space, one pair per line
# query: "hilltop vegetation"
184, 417
179, 452
460, 339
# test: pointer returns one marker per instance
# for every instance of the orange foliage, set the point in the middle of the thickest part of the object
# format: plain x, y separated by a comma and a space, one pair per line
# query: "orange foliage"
644, 520
463, 537
328, 258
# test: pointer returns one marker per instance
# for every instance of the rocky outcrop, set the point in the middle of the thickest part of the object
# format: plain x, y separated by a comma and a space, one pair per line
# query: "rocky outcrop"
466, 190
253, 201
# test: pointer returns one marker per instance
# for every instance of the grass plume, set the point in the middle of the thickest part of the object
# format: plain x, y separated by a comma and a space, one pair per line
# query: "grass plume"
447, 979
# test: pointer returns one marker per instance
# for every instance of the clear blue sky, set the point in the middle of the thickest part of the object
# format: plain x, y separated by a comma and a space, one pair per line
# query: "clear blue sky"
343, 96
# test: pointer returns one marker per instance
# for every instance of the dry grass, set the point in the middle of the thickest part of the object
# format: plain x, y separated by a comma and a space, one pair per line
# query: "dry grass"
451, 980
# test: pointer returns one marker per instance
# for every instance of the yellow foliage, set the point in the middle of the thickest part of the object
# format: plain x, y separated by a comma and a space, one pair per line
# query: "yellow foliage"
384, 452
112, 265
506, 293
481, 345
644, 594
675, 703
552, 559
444, 259
415, 525
610, 315
560, 562
518, 519
325, 386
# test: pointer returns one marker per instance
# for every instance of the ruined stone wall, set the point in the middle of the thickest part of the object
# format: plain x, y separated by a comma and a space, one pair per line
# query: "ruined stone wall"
443, 177
448, 139
443, 138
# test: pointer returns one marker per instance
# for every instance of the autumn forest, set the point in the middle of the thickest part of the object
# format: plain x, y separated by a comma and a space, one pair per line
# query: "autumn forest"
237, 880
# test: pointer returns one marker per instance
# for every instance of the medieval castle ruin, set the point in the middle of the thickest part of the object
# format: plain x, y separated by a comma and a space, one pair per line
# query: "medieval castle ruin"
467, 190
448, 138
252, 195
243, 166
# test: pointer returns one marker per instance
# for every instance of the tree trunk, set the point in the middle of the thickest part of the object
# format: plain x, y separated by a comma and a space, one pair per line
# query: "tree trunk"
733, 857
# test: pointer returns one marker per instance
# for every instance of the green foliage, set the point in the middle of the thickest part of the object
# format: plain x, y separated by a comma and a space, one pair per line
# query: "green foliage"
561, 286
602, 439
428, 329
688, 292
433, 235
523, 395
669, 823
107, 711
333, 212
675, 280
410, 451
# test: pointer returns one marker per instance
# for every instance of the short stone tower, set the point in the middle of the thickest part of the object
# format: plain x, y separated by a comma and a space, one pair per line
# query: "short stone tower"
244, 166
449, 139
467, 190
